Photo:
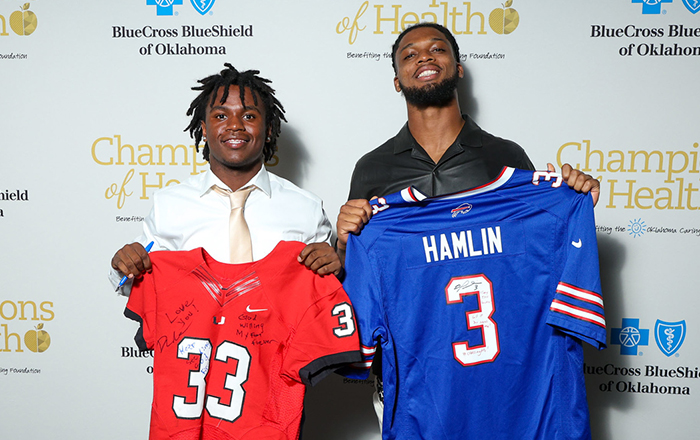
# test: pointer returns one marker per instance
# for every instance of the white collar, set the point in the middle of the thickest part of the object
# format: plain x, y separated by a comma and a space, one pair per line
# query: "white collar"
261, 180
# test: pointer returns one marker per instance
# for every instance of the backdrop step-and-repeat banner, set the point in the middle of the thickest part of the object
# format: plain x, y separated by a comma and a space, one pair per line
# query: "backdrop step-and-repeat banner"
92, 113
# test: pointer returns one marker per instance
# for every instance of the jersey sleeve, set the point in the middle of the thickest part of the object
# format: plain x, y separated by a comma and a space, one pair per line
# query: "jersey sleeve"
577, 308
362, 285
141, 308
325, 339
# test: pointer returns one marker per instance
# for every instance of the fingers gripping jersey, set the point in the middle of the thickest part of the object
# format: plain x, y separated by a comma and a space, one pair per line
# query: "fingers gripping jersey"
480, 300
235, 345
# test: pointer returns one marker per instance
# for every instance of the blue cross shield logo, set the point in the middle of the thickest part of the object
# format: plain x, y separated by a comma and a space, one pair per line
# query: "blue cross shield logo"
202, 6
692, 5
669, 336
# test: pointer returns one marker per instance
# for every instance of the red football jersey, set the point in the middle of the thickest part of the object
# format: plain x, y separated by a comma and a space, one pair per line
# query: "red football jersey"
236, 344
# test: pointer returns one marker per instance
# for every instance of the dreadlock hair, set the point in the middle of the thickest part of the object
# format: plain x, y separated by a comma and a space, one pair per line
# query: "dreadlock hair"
439, 27
274, 111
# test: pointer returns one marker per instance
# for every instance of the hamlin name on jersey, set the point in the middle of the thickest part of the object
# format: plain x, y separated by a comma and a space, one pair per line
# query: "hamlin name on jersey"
480, 301
462, 244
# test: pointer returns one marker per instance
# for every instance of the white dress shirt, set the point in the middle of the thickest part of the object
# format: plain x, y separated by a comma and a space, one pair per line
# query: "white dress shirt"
192, 215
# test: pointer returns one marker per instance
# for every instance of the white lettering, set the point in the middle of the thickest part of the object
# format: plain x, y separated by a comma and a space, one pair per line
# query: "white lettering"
495, 240
483, 242
430, 249
463, 244
444, 248
472, 251
459, 244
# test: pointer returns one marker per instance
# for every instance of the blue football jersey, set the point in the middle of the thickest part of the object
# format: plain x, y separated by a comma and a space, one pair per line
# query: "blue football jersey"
480, 301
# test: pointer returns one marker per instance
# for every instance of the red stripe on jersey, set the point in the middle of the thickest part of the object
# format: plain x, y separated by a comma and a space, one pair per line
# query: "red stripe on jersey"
368, 351
582, 294
413, 196
578, 313
361, 365
503, 171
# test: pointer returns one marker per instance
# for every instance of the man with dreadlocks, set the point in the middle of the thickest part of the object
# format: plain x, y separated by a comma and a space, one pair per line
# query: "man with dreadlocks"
270, 323
239, 119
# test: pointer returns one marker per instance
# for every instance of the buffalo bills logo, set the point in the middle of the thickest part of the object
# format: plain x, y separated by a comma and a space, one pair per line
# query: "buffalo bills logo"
461, 209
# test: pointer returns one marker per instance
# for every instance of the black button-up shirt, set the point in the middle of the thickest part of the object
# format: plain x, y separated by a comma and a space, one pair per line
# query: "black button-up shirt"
475, 158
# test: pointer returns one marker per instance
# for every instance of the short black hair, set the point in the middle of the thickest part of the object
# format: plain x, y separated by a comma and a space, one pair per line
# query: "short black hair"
439, 27
274, 111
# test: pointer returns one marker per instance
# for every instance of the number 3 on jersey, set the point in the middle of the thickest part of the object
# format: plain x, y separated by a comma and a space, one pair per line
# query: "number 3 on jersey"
481, 286
344, 313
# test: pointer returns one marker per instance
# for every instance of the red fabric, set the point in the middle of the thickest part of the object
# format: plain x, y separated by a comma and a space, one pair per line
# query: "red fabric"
230, 340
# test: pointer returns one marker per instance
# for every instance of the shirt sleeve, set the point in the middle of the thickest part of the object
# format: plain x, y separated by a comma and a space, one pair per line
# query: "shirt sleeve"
577, 308
526, 163
323, 230
357, 190
324, 339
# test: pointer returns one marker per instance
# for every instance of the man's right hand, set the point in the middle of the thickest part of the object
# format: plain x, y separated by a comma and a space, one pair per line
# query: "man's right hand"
353, 216
132, 260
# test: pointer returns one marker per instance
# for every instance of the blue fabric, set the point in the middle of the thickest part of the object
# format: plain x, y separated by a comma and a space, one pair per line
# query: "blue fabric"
480, 301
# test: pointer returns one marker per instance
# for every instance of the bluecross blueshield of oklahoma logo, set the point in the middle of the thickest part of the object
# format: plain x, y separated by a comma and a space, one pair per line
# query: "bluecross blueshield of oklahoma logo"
202, 6
629, 336
669, 336
652, 6
692, 5
164, 7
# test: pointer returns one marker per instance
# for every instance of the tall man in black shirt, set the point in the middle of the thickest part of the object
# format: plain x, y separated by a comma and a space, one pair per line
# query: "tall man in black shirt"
439, 150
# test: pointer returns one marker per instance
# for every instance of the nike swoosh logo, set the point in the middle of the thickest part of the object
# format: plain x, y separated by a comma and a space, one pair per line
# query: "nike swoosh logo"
577, 244
249, 310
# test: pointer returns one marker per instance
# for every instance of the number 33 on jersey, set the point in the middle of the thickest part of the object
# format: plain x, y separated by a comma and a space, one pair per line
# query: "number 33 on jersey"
235, 345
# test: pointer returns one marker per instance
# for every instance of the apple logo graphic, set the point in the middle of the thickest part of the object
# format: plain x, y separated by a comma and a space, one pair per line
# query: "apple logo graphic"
24, 21
37, 340
504, 20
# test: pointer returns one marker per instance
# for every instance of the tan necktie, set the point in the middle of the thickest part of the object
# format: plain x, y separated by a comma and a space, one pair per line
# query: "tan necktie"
239, 234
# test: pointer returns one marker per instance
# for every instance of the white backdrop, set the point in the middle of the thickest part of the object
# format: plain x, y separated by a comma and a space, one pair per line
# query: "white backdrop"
93, 99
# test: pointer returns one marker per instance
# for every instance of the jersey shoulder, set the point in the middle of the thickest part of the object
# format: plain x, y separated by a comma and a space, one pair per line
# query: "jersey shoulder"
544, 190
169, 267
288, 284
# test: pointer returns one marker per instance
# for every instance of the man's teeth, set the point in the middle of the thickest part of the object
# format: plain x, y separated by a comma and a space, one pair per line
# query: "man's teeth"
427, 72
